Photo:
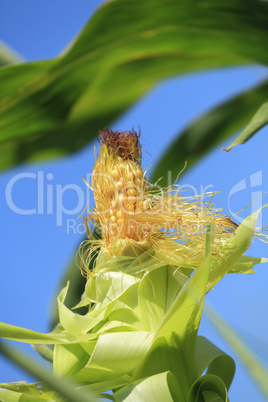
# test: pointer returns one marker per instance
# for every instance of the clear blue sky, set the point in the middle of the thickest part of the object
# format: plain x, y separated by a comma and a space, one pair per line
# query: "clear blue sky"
35, 251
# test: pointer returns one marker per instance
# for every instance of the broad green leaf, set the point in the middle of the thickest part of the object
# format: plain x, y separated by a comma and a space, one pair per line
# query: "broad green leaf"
158, 388
209, 356
157, 292
103, 386
105, 289
174, 340
75, 324
68, 359
126, 47
65, 388
259, 120
254, 367
114, 355
111, 285
208, 131
8, 55
208, 388
185, 313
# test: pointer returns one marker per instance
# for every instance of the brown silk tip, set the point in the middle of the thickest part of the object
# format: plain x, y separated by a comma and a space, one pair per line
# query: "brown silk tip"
125, 144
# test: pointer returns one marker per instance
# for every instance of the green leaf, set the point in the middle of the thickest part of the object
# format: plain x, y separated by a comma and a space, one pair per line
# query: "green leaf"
103, 386
77, 285
26, 335
126, 47
254, 367
114, 355
208, 131
232, 251
245, 264
23, 391
185, 313
104, 289
11, 396
208, 388
174, 340
69, 359
157, 292
65, 388
209, 356
158, 388
75, 324
259, 120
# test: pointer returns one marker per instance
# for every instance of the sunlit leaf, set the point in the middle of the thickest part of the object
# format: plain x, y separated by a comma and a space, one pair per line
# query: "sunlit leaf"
26, 335
68, 359
208, 388
114, 355
209, 356
233, 250
245, 264
157, 293
158, 388
65, 388
174, 339
21, 391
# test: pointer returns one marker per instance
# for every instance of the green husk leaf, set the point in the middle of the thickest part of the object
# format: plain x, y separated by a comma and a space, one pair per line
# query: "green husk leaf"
233, 250
245, 264
209, 356
114, 355
75, 324
157, 292
174, 340
69, 359
103, 386
158, 388
208, 388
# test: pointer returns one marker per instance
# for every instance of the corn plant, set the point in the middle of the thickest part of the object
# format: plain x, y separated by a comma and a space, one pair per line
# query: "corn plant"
154, 253
152, 258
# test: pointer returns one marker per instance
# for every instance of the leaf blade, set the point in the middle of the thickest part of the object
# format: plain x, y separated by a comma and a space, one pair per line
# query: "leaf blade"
259, 120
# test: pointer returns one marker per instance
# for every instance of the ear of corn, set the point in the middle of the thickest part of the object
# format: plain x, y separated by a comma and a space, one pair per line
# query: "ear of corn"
128, 207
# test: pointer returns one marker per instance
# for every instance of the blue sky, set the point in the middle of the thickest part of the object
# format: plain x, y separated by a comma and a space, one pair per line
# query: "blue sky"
35, 250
